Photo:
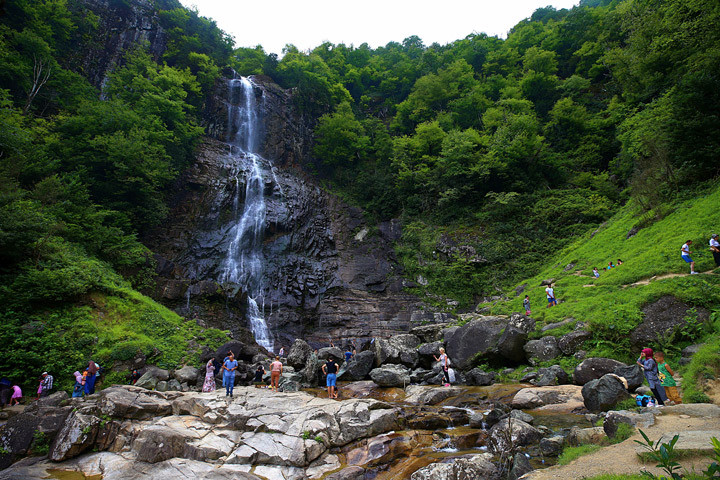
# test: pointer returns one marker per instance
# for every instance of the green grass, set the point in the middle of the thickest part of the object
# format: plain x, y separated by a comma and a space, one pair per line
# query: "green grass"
610, 476
571, 453
612, 310
704, 366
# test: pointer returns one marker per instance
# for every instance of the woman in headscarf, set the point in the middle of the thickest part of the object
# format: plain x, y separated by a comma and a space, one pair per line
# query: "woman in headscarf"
209, 383
650, 369
79, 387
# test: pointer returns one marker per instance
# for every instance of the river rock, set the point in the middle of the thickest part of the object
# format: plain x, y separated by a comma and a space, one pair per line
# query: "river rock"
477, 337
632, 374
661, 317
561, 398
311, 372
147, 380
174, 386
468, 467
348, 473
520, 415
187, 374
542, 350
358, 367
520, 434
429, 395
477, 420
77, 435
585, 436
688, 352
604, 393
299, 353
391, 376
479, 377
594, 368
616, 417
552, 446
511, 344
162, 386
399, 349
521, 466
554, 375
571, 342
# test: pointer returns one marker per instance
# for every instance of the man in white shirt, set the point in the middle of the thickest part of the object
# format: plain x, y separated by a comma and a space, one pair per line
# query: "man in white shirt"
550, 291
715, 248
685, 253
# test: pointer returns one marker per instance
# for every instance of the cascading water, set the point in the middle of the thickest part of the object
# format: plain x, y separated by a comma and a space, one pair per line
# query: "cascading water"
243, 264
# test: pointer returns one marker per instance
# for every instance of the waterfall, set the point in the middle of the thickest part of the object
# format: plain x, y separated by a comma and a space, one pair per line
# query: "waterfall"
244, 262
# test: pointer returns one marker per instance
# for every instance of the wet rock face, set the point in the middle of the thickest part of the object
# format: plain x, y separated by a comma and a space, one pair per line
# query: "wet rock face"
326, 273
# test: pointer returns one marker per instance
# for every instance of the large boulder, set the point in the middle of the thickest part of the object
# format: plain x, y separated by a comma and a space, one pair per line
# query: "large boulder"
554, 375
477, 337
391, 376
571, 342
520, 466
16, 436
299, 353
399, 349
133, 402
147, 380
311, 372
464, 468
510, 432
334, 352
243, 350
429, 333
615, 418
604, 393
542, 350
561, 398
633, 374
77, 435
187, 374
662, 317
358, 367
479, 377
594, 368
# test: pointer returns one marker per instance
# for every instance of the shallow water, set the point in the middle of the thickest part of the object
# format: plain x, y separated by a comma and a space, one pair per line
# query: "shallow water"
71, 475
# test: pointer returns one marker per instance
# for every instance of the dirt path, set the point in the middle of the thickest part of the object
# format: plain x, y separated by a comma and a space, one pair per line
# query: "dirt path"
622, 458
646, 281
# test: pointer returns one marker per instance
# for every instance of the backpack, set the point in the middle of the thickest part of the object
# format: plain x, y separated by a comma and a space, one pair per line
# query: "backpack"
642, 400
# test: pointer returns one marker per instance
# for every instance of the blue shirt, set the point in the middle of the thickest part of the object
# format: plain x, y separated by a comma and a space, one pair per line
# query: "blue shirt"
348, 356
230, 364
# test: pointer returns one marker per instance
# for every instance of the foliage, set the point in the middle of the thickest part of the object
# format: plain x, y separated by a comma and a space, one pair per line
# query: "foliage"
41, 443
571, 453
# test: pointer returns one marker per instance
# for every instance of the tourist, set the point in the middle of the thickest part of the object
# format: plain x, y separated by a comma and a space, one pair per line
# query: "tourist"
79, 387
209, 383
227, 357
259, 373
229, 367
92, 370
348, 354
685, 254
330, 369
596, 272
610, 265
276, 369
667, 382
650, 370
282, 352
715, 248
134, 377
46, 384
620, 262
444, 361
550, 291
16, 396
526, 304
39, 390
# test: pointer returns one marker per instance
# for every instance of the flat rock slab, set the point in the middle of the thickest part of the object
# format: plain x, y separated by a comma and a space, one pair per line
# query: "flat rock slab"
693, 410
691, 441
559, 398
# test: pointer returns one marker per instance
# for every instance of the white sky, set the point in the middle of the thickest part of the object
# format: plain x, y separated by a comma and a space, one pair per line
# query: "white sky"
308, 23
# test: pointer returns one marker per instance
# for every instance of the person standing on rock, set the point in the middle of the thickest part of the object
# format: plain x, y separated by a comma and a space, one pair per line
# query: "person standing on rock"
276, 369
445, 363
550, 291
92, 370
259, 373
650, 370
229, 368
209, 383
685, 254
330, 369
225, 360
79, 387
348, 354
281, 354
715, 248
526, 304
46, 384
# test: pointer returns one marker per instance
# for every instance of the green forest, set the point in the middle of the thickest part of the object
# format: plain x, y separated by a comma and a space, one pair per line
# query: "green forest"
517, 147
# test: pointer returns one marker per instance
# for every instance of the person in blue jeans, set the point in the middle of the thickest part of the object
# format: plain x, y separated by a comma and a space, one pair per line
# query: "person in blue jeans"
330, 369
229, 368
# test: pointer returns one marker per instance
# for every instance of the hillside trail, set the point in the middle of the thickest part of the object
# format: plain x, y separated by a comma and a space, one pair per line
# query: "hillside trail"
622, 458
646, 281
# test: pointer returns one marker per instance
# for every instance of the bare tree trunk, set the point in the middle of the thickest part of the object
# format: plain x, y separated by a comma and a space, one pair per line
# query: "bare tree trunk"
41, 74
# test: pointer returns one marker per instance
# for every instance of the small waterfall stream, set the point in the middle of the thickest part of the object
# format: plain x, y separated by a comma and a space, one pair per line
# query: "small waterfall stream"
244, 261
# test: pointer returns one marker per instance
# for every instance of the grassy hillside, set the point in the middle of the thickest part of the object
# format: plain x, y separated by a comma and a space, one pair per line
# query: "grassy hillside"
612, 304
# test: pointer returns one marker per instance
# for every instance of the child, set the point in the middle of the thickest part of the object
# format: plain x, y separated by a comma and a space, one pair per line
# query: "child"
526, 304
16, 396
665, 374
596, 272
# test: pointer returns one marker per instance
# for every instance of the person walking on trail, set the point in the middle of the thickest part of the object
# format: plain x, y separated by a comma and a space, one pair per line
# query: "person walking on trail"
330, 369
79, 387
667, 382
444, 362
650, 369
209, 383
46, 384
550, 291
16, 395
685, 253
92, 370
276, 369
715, 248
526, 305
229, 368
